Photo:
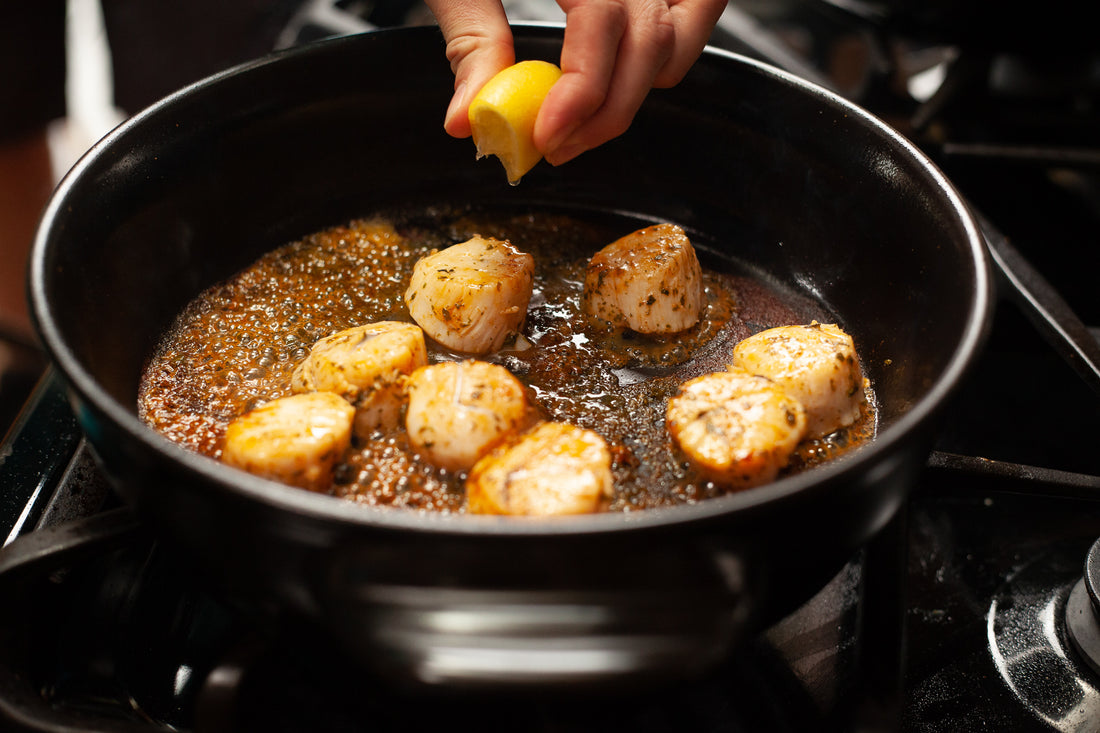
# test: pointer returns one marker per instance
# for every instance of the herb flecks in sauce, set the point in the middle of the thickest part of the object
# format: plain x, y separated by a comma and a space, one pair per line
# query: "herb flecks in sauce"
236, 345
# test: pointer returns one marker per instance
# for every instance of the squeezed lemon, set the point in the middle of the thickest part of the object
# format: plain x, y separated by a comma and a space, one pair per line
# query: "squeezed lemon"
502, 115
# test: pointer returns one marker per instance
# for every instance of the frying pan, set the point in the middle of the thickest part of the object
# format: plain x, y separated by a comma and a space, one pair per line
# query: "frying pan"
784, 178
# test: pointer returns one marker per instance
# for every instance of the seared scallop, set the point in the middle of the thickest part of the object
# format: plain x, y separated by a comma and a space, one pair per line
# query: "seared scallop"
816, 364
458, 411
368, 366
472, 297
736, 428
296, 440
649, 281
555, 469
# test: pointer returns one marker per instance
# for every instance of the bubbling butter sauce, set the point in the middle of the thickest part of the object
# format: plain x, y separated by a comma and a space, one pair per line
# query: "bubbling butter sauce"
235, 346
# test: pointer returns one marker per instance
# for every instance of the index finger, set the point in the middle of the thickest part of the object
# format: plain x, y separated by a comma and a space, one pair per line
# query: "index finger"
479, 44
593, 32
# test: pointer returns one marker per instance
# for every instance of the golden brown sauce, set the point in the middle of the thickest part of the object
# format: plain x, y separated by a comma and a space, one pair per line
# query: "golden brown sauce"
235, 346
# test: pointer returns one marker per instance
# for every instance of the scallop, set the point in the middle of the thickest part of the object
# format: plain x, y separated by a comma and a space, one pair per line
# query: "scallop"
472, 297
555, 469
649, 281
738, 429
816, 364
368, 366
458, 411
296, 440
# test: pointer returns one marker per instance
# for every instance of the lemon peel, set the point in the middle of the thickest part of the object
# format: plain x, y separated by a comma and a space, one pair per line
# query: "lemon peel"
502, 115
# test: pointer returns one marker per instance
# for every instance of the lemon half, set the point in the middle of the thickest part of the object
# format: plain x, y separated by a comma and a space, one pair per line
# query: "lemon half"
502, 115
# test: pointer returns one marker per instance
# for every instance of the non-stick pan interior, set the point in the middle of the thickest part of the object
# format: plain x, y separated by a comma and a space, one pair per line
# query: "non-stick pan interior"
771, 173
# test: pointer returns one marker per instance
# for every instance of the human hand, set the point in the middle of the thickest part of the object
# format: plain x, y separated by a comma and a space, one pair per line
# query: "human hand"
614, 52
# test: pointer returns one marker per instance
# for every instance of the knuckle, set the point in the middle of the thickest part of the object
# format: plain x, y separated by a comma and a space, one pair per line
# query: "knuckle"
663, 33
618, 11
461, 47
654, 21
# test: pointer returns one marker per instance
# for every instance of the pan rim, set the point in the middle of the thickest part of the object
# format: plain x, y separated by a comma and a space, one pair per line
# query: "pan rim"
332, 509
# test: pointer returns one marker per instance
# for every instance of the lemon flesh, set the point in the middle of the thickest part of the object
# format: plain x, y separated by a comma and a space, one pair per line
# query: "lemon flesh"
502, 115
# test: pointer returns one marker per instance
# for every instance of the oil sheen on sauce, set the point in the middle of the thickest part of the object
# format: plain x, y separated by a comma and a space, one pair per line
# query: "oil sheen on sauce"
235, 346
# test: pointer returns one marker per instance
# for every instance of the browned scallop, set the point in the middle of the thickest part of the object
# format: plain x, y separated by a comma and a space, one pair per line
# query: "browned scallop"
368, 366
816, 364
736, 428
553, 470
649, 281
296, 440
472, 297
458, 411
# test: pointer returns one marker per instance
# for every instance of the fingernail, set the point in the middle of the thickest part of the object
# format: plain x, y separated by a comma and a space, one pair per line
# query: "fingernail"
561, 138
565, 154
456, 103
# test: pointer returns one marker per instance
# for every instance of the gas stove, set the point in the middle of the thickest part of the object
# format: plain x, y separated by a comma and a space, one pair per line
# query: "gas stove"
974, 609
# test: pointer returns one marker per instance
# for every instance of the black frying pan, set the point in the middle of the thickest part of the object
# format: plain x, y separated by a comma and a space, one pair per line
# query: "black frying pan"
779, 175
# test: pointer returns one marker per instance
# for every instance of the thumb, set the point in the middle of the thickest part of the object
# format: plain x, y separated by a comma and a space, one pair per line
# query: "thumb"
479, 44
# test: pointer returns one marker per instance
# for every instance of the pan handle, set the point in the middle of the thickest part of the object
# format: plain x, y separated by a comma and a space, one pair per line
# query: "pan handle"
1046, 309
36, 555
54, 547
